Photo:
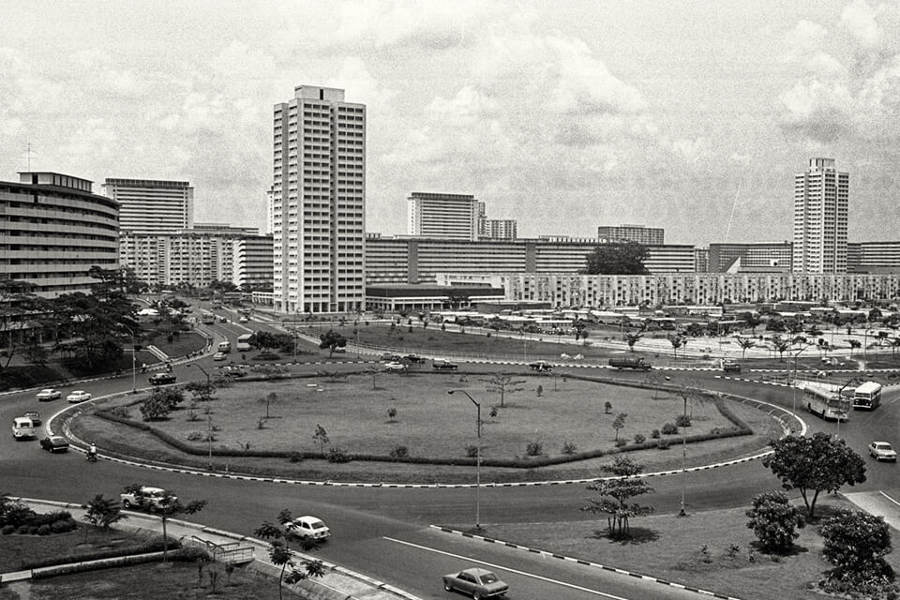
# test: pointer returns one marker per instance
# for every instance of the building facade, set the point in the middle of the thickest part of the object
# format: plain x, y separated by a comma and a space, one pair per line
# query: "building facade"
150, 206
873, 257
53, 229
442, 216
252, 262
318, 202
648, 236
749, 258
821, 196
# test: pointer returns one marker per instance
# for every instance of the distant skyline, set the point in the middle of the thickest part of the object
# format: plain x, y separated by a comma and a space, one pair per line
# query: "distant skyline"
692, 116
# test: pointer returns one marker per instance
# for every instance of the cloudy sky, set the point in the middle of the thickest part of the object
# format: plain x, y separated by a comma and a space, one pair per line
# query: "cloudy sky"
565, 115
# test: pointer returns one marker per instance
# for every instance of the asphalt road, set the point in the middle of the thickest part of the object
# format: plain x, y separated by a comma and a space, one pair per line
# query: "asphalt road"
384, 532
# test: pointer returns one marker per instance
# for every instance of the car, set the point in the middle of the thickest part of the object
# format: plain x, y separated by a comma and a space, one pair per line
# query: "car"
146, 497
388, 357
162, 378
55, 443
476, 582
243, 319
78, 396
414, 358
233, 371
394, 366
443, 365
220, 356
540, 365
34, 416
308, 527
882, 451
49, 394
223, 319
339, 350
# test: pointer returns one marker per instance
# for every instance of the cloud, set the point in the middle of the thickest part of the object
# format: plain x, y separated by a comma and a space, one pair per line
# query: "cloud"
860, 20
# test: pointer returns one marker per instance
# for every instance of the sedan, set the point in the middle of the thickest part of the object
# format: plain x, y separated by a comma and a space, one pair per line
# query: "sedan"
882, 451
308, 527
162, 378
78, 396
394, 366
220, 356
49, 394
55, 443
476, 582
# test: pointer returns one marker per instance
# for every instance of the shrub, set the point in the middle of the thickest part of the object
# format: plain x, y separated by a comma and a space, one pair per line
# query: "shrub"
194, 436
620, 442
669, 429
534, 448
7, 529
399, 451
663, 444
61, 526
569, 448
639, 438
44, 530
338, 455
22, 530
472, 451
655, 434
774, 521
192, 554
294, 457
682, 421
120, 411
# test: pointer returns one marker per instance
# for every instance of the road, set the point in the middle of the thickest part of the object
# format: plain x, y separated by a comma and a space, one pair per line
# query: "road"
385, 532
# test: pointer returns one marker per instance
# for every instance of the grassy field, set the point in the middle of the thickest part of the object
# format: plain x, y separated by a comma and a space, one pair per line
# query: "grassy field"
711, 550
18, 550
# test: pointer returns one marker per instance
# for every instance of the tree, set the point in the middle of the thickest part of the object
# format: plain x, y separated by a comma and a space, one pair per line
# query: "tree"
456, 298
619, 423
201, 390
321, 437
607, 407
781, 346
854, 345
751, 320
856, 544
103, 512
264, 341
331, 340
617, 259
155, 407
503, 384
745, 344
166, 506
280, 551
631, 339
625, 484
814, 464
271, 398
774, 521
677, 342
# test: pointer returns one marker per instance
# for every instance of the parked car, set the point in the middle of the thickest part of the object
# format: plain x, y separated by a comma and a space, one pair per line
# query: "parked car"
339, 350
308, 527
78, 396
55, 443
476, 582
49, 394
243, 319
540, 365
233, 371
220, 356
443, 365
388, 357
162, 378
35, 417
415, 358
882, 451
147, 497
223, 319
394, 366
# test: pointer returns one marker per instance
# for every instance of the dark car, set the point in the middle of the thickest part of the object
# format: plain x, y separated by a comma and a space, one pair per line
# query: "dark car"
35, 417
388, 357
541, 365
443, 365
475, 582
162, 378
55, 443
414, 358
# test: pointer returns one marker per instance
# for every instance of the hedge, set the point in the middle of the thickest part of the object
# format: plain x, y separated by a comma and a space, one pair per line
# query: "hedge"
150, 546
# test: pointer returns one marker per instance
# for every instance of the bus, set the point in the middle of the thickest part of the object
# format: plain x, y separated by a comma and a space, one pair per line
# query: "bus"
243, 342
207, 318
828, 404
867, 396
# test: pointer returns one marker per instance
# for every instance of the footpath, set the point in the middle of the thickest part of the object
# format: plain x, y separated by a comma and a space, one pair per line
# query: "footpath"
338, 583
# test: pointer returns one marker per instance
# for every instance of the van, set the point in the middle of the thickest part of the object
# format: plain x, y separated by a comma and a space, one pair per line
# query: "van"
224, 346
23, 428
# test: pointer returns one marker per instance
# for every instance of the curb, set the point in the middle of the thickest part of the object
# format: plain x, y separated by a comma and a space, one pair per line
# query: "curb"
579, 561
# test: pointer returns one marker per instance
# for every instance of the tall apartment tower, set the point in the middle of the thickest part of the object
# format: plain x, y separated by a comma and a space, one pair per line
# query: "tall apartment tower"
149, 206
442, 216
820, 218
319, 202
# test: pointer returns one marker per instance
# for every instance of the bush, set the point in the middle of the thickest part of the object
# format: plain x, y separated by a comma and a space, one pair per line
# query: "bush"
399, 451
44, 530
669, 429
534, 448
22, 530
620, 442
569, 448
62, 526
295, 457
194, 436
774, 521
639, 438
7, 529
192, 554
655, 434
338, 455
663, 444
472, 451
682, 421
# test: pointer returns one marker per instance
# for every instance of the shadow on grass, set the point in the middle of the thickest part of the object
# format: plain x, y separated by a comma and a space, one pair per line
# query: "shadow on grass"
794, 550
635, 535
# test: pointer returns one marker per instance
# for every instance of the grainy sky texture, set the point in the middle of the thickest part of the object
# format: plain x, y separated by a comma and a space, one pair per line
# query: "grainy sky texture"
565, 115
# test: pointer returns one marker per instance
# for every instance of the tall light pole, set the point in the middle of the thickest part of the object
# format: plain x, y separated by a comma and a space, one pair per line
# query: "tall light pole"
133, 364
477, 459
794, 380
208, 413
684, 396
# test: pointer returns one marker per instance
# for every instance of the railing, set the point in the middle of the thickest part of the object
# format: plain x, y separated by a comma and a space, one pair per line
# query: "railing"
229, 552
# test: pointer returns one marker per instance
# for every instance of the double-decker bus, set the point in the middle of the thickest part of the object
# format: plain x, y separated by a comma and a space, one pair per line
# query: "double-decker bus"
243, 342
827, 403
867, 396
207, 317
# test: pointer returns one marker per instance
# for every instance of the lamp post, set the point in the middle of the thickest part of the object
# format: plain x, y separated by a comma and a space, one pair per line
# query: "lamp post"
208, 413
133, 364
477, 459
684, 397
794, 380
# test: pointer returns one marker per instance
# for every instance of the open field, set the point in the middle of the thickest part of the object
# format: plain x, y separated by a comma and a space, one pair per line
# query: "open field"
18, 550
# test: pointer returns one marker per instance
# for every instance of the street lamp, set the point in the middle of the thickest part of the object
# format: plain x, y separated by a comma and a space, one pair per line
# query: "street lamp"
794, 380
133, 364
208, 412
684, 396
477, 459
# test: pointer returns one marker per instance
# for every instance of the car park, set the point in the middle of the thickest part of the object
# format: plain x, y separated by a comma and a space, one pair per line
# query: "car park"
394, 366
162, 378
78, 396
55, 443
443, 365
476, 582
308, 527
48, 394
148, 497
882, 451
220, 356
540, 365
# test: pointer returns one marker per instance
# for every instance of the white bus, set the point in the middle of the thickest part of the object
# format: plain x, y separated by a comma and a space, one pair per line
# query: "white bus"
243, 342
828, 404
867, 396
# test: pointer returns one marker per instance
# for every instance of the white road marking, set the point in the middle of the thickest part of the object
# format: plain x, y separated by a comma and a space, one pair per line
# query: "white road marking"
502, 568
889, 498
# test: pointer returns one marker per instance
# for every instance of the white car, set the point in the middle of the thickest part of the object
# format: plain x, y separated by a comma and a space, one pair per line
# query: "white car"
78, 396
308, 527
394, 366
220, 356
49, 394
147, 497
882, 451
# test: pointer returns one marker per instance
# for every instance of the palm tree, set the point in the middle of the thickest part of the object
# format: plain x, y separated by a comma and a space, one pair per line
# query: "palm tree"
677, 342
745, 345
631, 339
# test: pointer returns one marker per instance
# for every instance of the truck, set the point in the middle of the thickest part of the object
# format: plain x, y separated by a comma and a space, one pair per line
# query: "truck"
731, 366
629, 362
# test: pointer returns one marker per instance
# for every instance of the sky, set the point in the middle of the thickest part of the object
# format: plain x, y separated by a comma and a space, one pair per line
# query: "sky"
564, 115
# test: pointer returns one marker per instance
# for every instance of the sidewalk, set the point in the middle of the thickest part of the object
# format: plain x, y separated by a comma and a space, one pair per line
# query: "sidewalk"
338, 583
878, 504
